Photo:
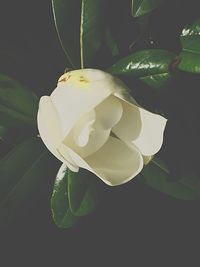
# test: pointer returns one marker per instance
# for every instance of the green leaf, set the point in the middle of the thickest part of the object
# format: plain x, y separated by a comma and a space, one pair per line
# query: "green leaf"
151, 66
18, 105
111, 44
190, 55
141, 7
143, 33
61, 212
67, 14
74, 195
82, 192
80, 29
92, 32
22, 172
16, 163
156, 175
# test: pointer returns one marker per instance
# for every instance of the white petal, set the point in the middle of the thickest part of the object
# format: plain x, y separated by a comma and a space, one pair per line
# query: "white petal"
130, 124
108, 113
63, 152
82, 129
141, 127
150, 139
115, 163
96, 141
78, 92
84, 138
49, 127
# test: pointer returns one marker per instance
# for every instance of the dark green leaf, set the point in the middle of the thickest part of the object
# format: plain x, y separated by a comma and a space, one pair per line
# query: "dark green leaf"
156, 175
82, 192
62, 214
80, 28
151, 66
141, 7
74, 195
111, 44
144, 34
67, 14
18, 105
22, 172
16, 163
190, 55
92, 32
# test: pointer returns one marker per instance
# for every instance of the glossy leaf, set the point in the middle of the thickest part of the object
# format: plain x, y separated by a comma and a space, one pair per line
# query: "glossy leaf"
18, 105
156, 175
151, 66
67, 14
190, 55
92, 32
142, 7
22, 172
74, 195
82, 192
61, 212
80, 29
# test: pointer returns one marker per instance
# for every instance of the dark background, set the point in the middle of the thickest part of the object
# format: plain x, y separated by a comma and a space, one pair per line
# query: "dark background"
132, 223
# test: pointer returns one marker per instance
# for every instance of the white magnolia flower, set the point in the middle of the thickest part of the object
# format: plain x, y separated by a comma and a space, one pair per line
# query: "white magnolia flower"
91, 121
